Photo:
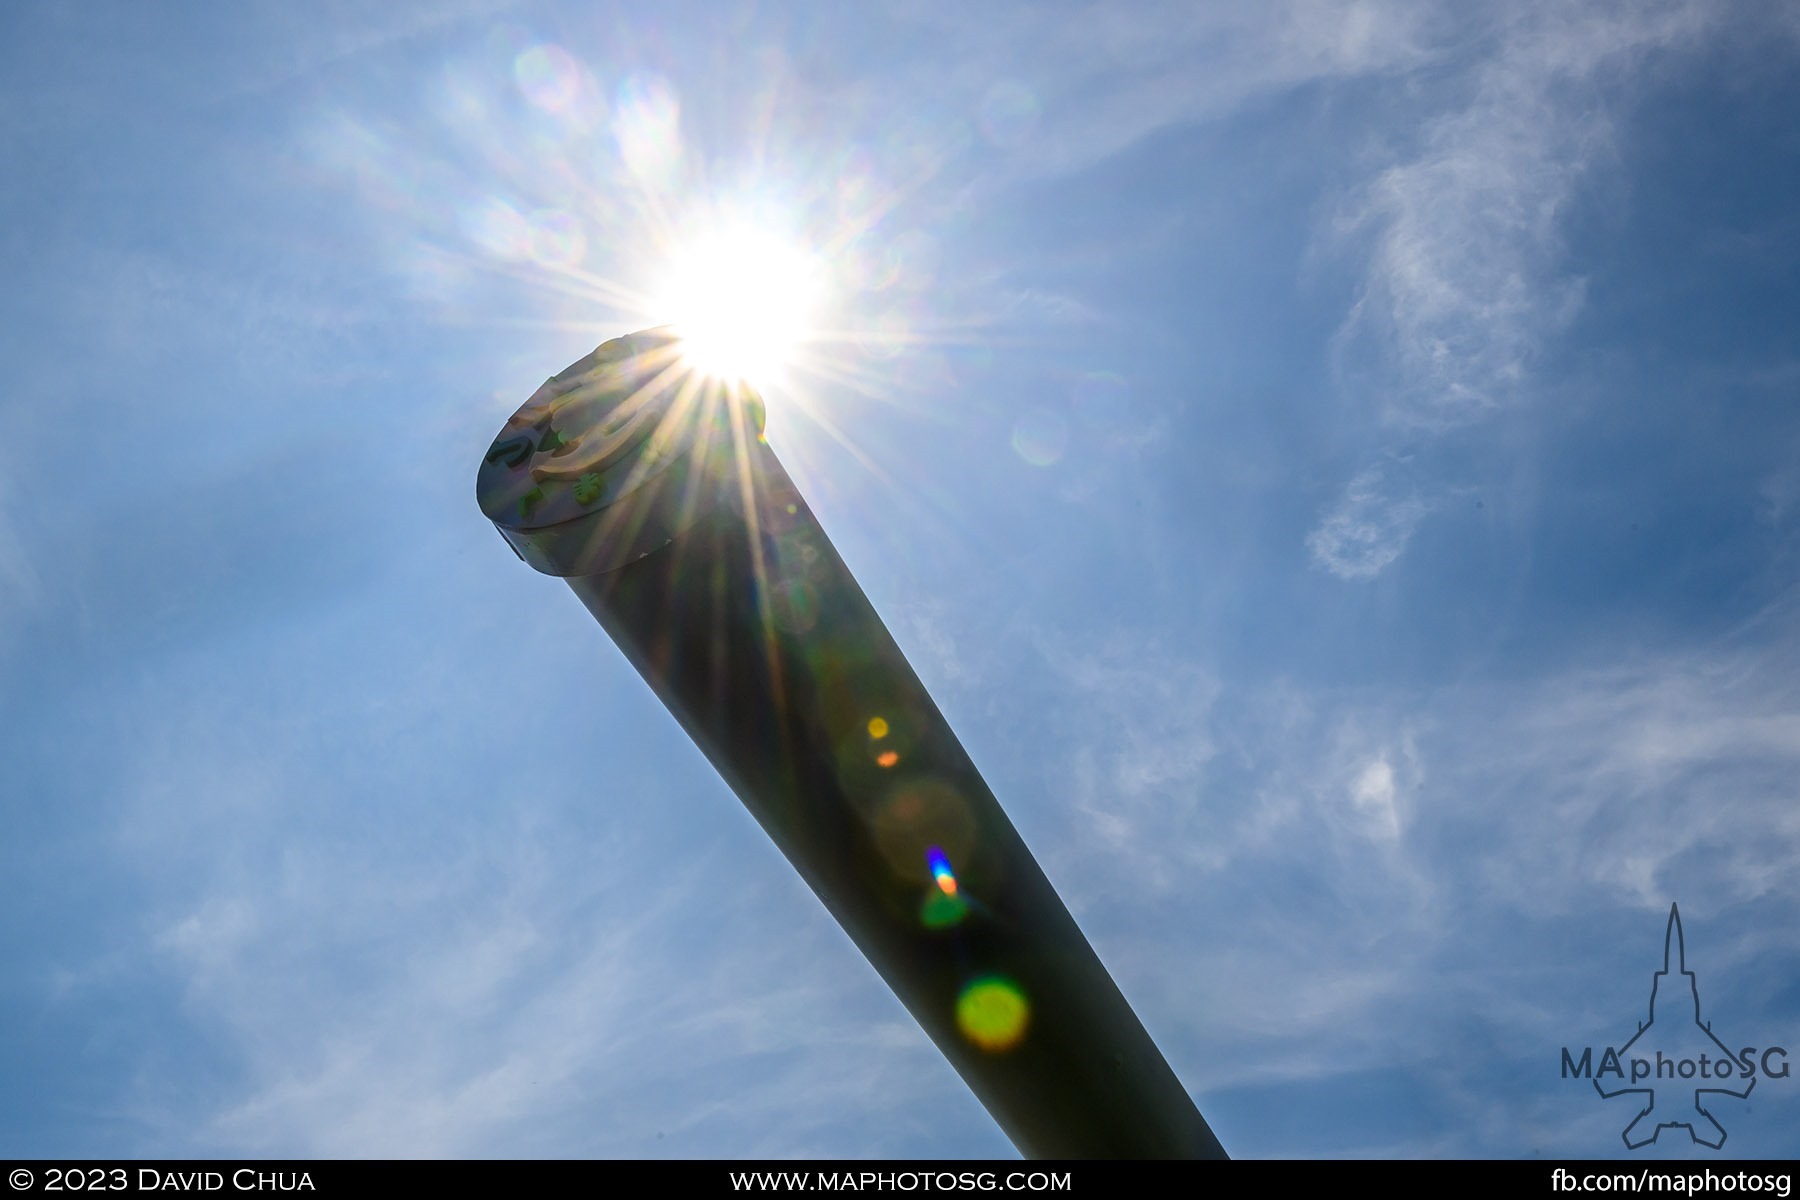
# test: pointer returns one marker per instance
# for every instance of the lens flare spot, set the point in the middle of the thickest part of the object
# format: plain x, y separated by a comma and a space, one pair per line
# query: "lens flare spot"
1009, 112
940, 910
548, 77
556, 239
940, 871
795, 605
1040, 437
918, 815
498, 229
992, 1013
647, 126
886, 758
878, 728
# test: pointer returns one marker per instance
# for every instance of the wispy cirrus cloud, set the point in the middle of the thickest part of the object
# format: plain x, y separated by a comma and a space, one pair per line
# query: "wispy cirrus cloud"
1465, 263
1267, 866
1367, 530
1122, 74
1660, 775
1465, 279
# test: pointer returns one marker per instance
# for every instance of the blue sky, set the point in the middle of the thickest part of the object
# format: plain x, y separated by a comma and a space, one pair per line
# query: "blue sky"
1337, 466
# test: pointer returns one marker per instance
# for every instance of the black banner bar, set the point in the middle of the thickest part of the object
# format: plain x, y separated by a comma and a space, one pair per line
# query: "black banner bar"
315, 1177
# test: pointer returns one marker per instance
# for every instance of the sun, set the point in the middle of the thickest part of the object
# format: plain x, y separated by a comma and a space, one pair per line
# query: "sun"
744, 302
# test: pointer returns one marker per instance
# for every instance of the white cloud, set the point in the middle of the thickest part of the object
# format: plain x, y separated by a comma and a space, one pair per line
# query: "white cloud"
1665, 776
486, 982
1307, 886
385, 1014
1120, 73
1466, 281
1053, 308
1372, 793
1139, 758
1367, 530
1465, 277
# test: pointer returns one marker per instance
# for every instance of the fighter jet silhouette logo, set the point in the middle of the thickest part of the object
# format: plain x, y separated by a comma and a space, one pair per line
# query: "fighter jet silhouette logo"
1684, 1050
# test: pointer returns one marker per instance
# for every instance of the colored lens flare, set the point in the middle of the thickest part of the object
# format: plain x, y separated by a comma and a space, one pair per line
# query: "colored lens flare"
992, 1013
940, 871
1041, 436
886, 758
548, 76
878, 728
916, 816
940, 911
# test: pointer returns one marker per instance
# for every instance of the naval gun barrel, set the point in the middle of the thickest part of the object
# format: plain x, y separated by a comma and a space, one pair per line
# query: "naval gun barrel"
650, 489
